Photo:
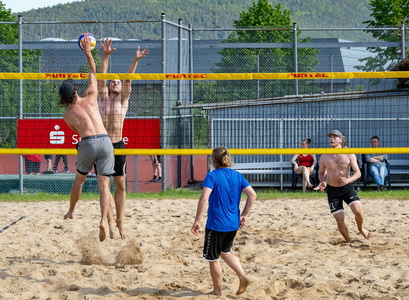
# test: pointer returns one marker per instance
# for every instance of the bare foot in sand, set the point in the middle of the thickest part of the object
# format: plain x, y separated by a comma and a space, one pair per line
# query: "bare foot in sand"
69, 215
112, 226
121, 229
365, 233
102, 232
244, 283
214, 293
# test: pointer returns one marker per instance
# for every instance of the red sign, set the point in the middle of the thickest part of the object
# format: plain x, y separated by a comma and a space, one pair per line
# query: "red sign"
54, 133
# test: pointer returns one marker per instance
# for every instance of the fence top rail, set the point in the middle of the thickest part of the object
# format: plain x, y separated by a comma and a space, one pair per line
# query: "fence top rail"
177, 25
298, 29
80, 22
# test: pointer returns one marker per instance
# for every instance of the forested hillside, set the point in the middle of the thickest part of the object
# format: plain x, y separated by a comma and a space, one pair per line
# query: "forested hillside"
199, 13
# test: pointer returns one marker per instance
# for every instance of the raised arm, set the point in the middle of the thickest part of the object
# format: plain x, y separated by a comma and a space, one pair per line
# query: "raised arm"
92, 78
103, 68
126, 89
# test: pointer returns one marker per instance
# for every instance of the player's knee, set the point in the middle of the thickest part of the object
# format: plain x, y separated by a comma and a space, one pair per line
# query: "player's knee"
119, 185
359, 214
224, 255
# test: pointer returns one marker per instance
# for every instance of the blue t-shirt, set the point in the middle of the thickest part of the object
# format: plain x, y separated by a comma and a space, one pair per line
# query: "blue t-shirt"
223, 213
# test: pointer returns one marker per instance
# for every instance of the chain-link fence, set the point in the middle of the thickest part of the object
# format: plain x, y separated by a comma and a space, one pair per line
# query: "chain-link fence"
177, 105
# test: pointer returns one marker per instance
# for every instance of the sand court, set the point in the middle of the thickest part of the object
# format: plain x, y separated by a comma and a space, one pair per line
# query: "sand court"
290, 249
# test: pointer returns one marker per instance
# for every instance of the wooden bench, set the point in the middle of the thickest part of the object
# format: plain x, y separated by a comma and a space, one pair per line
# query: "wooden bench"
275, 168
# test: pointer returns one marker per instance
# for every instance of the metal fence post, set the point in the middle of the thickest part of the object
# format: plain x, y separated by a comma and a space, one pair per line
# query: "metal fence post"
163, 119
295, 46
20, 94
192, 123
179, 99
258, 80
402, 40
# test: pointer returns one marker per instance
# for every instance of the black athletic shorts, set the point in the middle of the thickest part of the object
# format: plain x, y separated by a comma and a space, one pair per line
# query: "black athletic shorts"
336, 195
120, 160
217, 242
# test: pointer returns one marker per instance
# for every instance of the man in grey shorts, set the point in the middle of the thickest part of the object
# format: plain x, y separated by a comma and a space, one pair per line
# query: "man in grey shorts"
82, 115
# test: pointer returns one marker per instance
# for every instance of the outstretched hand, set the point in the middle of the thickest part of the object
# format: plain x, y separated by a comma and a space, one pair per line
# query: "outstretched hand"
141, 54
321, 187
106, 46
86, 43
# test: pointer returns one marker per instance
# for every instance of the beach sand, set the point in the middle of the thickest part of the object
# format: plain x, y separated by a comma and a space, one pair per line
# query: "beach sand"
290, 249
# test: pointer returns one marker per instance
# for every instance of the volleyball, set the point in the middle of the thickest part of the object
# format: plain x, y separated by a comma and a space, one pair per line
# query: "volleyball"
81, 40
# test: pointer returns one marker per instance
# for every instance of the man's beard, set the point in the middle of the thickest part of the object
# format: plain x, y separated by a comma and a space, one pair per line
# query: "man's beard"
114, 92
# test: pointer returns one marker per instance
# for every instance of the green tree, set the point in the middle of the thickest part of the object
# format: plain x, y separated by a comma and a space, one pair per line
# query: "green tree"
8, 35
262, 15
385, 13
9, 89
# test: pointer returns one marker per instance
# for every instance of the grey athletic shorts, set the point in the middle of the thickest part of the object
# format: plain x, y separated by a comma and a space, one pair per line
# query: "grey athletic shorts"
96, 149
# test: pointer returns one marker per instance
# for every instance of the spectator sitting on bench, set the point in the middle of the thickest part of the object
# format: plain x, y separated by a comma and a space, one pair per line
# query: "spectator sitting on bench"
304, 165
377, 164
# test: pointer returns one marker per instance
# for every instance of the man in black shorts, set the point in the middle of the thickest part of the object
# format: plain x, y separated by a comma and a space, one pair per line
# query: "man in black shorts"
113, 101
334, 175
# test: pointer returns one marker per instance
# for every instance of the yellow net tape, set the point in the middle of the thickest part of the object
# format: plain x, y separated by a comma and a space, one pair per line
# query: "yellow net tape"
292, 151
206, 76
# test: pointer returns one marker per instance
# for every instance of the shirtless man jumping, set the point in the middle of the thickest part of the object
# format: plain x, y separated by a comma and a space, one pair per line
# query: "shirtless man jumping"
334, 175
113, 105
82, 116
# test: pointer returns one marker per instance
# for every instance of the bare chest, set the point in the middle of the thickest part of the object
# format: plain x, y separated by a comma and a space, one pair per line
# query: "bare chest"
337, 161
113, 110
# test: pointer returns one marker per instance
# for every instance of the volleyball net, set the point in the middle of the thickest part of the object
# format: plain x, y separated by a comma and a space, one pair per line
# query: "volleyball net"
183, 116
191, 113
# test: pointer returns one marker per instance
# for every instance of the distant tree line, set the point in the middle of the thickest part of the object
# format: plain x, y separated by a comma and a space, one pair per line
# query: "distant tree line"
199, 13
